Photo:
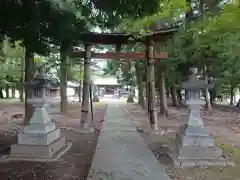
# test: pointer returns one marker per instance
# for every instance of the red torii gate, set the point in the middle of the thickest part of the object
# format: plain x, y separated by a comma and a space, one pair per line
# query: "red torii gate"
119, 39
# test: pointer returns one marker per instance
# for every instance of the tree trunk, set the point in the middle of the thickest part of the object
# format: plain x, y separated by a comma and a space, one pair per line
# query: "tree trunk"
29, 76
21, 88
173, 92
207, 95
13, 93
147, 87
238, 103
140, 85
147, 94
141, 95
21, 96
163, 99
212, 96
63, 78
168, 92
158, 96
231, 94
179, 96
7, 92
185, 95
1, 93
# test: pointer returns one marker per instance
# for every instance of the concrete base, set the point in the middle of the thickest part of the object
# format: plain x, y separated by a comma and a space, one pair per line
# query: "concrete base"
191, 163
202, 141
194, 156
130, 100
43, 151
155, 132
38, 153
87, 130
198, 153
95, 99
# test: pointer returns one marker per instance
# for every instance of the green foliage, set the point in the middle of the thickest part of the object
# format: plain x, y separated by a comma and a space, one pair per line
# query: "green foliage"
10, 66
208, 34
74, 74
166, 9
110, 68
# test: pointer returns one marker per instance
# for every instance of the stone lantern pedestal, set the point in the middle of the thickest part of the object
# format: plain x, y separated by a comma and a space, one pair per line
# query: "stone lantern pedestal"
95, 93
130, 98
95, 98
40, 140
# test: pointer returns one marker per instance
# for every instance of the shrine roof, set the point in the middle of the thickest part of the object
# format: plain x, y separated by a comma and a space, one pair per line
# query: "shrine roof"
123, 38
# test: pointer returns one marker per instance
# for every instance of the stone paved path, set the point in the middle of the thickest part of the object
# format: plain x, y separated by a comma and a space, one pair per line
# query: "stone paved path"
121, 153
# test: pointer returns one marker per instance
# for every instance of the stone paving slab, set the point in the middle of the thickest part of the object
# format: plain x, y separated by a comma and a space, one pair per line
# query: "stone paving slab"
121, 153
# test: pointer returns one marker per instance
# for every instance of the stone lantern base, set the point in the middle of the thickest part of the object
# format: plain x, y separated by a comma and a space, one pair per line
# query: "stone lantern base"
130, 99
196, 148
40, 140
42, 153
95, 99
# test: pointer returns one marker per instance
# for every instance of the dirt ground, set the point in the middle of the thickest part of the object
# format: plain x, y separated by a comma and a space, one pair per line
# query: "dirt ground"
73, 165
223, 124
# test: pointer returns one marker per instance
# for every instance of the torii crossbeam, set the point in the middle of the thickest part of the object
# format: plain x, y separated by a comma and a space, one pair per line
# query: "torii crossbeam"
119, 55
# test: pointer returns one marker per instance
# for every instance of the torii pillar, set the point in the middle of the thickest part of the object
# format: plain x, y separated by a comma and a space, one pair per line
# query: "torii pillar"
84, 124
151, 86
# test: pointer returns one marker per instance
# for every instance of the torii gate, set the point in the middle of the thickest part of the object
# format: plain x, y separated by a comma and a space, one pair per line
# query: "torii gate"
118, 39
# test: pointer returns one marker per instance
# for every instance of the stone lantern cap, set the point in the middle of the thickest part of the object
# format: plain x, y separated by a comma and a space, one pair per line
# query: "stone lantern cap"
40, 81
195, 84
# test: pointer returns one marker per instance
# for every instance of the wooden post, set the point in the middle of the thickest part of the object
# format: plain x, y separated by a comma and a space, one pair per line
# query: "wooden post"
151, 87
147, 85
118, 50
86, 92
80, 85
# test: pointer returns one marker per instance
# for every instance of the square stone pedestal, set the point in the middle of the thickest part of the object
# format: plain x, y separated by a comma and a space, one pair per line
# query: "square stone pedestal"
95, 99
130, 100
196, 148
38, 147
40, 140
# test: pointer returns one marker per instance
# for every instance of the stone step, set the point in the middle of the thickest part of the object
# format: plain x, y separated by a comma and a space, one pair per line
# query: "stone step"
38, 138
203, 162
40, 151
204, 141
199, 153
196, 131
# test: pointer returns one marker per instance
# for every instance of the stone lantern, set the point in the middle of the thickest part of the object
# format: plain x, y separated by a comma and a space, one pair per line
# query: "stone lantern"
196, 147
95, 93
40, 140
